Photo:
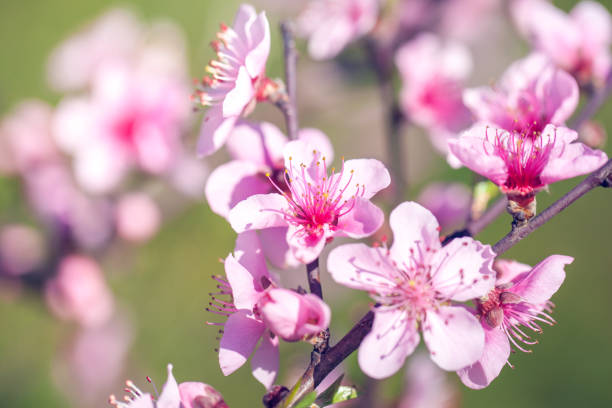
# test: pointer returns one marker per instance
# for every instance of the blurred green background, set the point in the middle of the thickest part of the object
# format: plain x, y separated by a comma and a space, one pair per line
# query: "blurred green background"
164, 284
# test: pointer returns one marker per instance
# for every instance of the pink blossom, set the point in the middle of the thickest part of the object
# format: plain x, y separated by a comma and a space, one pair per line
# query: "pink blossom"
22, 249
137, 217
257, 309
578, 42
237, 78
426, 385
315, 205
432, 75
331, 25
414, 283
449, 203
531, 94
79, 292
520, 298
173, 395
523, 163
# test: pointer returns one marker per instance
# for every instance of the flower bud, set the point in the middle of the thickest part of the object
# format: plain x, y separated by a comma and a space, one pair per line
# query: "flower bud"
292, 316
200, 395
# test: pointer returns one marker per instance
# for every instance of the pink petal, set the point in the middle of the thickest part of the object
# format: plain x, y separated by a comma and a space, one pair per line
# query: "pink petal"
329, 39
240, 335
255, 61
233, 182
463, 269
454, 337
305, 248
363, 220
558, 91
316, 315
194, 394
215, 130
475, 152
245, 15
317, 138
494, 358
508, 271
595, 25
244, 286
487, 105
412, 223
544, 279
238, 98
259, 143
248, 251
257, 212
384, 350
264, 363
281, 311
369, 175
361, 267
169, 397
276, 249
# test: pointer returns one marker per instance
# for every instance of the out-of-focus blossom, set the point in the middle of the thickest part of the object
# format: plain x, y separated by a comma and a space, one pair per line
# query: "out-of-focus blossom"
523, 163
21, 249
414, 283
520, 298
137, 217
593, 134
237, 78
189, 175
427, 386
578, 42
331, 25
315, 205
173, 395
449, 203
78, 292
25, 139
433, 74
256, 309
531, 94
92, 362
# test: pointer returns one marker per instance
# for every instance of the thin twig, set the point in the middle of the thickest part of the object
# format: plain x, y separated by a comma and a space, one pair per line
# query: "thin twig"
289, 107
474, 227
314, 278
597, 178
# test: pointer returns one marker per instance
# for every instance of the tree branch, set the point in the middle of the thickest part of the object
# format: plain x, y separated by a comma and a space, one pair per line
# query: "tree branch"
289, 106
597, 178
314, 278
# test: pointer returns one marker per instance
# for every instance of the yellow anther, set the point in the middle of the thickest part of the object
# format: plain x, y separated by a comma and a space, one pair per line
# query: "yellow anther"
268, 174
411, 283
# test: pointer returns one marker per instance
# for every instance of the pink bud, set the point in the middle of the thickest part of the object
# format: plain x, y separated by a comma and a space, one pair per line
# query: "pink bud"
494, 317
292, 316
200, 395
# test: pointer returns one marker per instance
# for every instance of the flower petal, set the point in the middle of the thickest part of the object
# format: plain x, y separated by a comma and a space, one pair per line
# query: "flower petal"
243, 283
544, 279
255, 60
363, 220
276, 249
361, 267
259, 143
257, 212
238, 98
384, 350
454, 337
215, 130
412, 223
240, 335
248, 251
368, 175
558, 92
305, 247
509, 271
264, 363
169, 397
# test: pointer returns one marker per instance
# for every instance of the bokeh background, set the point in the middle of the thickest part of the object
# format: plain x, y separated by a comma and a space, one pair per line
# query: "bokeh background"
164, 283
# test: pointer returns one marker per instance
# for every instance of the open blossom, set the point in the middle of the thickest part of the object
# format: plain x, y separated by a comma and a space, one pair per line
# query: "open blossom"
173, 395
432, 75
332, 24
413, 284
531, 94
237, 78
257, 309
448, 202
578, 42
315, 205
519, 300
523, 163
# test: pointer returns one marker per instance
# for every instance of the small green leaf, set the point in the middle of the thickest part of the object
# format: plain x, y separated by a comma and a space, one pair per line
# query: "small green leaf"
327, 396
307, 401
344, 393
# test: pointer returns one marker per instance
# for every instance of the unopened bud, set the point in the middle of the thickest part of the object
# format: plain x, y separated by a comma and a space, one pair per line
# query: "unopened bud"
494, 317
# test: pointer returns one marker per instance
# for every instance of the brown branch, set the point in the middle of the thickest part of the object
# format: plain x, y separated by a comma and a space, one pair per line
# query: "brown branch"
597, 178
314, 278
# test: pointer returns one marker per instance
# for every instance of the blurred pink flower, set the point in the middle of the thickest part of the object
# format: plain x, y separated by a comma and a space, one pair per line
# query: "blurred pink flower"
531, 94
331, 25
520, 298
173, 395
314, 205
432, 75
22, 249
25, 138
414, 283
237, 78
578, 42
137, 217
523, 163
427, 386
448, 202
78, 292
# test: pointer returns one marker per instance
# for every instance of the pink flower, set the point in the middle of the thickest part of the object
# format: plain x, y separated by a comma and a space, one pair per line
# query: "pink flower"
79, 292
432, 75
520, 298
414, 283
449, 203
22, 249
237, 78
531, 94
173, 395
332, 24
137, 217
256, 309
523, 163
314, 205
426, 386
578, 42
